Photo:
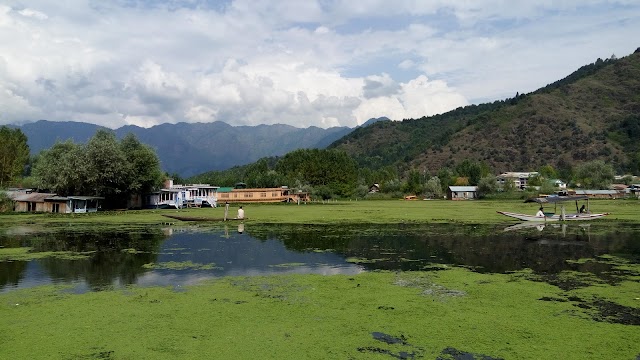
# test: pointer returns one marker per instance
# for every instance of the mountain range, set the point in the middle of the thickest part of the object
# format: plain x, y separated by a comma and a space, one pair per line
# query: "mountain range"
189, 149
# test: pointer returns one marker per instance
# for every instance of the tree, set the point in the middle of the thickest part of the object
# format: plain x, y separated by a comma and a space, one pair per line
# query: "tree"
487, 185
102, 167
472, 170
548, 172
142, 167
14, 154
331, 168
61, 169
433, 188
414, 183
595, 174
106, 165
446, 178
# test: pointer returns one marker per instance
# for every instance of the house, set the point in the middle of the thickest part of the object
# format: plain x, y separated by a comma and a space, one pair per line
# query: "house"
558, 183
519, 179
49, 202
281, 194
633, 190
31, 202
179, 196
374, 189
462, 192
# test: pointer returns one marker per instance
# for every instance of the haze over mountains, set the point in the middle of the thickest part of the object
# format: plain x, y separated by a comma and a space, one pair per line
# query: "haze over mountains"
190, 149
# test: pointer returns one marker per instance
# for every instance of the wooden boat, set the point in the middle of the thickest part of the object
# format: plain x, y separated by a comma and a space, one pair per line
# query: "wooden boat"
555, 216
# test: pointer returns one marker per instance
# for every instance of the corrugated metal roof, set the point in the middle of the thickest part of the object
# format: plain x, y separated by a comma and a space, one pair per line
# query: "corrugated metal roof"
33, 197
463, 188
86, 197
596, 192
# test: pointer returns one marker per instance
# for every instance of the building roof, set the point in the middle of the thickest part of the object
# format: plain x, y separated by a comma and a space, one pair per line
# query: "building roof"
511, 174
463, 188
86, 197
33, 197
596, 192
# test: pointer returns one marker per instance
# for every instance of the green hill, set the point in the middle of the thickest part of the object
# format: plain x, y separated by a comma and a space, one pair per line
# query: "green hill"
594, 113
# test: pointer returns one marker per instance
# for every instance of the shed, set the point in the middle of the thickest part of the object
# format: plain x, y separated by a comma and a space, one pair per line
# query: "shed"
599, 194
462, 192
31, 202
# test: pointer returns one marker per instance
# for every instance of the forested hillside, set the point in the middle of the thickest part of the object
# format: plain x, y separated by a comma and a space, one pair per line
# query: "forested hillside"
592, 114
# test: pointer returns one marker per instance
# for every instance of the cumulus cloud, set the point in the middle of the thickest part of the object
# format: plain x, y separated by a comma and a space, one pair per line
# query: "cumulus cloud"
302, 63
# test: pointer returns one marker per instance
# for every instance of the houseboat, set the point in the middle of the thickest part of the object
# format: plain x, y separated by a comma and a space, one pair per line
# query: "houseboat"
280, 194
181, 196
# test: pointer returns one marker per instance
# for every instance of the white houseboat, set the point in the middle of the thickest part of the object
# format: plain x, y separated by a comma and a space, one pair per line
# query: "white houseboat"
180, 196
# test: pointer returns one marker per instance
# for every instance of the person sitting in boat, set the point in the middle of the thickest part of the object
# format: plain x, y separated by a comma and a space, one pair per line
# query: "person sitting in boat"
240, 213
583, 209
540, 212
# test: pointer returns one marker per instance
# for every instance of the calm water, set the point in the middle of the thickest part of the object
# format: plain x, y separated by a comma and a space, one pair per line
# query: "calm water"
176, 257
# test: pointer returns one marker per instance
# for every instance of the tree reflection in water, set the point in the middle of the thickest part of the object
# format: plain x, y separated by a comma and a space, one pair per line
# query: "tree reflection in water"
115, 258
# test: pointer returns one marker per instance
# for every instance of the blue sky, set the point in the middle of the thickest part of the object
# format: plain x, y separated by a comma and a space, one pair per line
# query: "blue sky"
298, 62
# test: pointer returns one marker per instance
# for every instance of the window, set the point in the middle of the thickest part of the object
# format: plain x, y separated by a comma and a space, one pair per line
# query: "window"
263, 195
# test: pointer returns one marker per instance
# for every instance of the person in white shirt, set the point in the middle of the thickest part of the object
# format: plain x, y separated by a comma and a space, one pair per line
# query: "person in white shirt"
540, 212
240, 213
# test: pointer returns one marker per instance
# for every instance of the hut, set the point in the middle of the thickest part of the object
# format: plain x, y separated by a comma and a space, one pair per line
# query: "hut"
462, 192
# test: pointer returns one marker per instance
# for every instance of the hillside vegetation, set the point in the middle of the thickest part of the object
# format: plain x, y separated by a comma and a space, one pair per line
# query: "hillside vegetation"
592, 114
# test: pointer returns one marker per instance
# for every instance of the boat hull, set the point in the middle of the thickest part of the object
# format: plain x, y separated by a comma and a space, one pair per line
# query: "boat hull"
555, 217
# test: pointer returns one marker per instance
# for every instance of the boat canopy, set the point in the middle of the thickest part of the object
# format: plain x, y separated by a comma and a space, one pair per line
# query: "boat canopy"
556, 199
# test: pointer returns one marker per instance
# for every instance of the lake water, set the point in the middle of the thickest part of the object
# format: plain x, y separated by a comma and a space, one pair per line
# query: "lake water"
180, 256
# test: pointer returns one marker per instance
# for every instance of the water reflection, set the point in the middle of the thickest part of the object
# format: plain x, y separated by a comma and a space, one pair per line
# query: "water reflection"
181, 256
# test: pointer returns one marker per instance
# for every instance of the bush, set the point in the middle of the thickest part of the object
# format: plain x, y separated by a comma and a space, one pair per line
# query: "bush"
6, 204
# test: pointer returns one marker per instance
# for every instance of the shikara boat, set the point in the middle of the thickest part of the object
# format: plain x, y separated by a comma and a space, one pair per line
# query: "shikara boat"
562, 215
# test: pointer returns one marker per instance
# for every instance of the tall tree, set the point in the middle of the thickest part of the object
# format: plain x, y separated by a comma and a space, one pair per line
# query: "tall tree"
62, 169
142, 167
595, 174
107, 168
14, 154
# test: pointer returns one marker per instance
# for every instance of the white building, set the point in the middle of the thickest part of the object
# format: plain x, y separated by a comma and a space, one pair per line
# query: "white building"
519, 179
179, 196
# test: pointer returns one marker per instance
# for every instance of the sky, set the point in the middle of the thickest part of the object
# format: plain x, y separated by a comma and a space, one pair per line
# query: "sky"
304, 63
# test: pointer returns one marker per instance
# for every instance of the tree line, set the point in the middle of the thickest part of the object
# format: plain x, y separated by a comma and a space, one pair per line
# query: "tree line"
117, 169
102, 167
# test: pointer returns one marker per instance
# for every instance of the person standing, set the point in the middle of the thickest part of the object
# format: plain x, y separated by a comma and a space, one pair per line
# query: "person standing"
240, 213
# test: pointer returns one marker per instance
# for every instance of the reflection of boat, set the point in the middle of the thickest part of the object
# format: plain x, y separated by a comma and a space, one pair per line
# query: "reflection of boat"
555, 216
526, 225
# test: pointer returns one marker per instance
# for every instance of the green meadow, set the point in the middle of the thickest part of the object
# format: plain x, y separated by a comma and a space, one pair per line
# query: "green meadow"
333, 212
446, 313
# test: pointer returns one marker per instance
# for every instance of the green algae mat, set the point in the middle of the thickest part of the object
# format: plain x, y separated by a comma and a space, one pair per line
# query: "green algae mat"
446, 314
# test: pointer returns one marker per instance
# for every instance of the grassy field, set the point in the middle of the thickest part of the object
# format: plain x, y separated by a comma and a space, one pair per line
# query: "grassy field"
447, 314
374, 212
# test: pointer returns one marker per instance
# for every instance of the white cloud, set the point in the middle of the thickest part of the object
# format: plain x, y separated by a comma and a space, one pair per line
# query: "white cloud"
302, 63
